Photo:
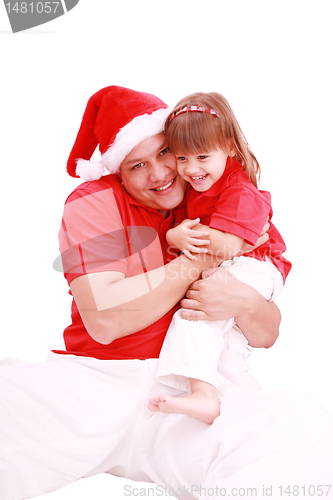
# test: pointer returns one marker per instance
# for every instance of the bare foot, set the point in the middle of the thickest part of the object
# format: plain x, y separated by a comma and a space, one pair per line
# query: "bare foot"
202, 406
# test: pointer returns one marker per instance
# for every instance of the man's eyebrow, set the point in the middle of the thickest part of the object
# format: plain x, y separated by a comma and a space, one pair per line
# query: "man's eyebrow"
157, 150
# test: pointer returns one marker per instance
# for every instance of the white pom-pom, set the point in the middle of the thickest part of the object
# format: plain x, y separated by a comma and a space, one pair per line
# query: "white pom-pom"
89, 170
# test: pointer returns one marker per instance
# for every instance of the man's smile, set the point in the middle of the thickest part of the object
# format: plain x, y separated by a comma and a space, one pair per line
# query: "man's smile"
165, 187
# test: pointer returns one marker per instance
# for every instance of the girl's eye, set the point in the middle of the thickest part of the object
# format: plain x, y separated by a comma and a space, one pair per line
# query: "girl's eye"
202, 157
181, 158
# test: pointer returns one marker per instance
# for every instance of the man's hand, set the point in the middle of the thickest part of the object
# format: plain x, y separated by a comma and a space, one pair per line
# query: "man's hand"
221, 296
218, 296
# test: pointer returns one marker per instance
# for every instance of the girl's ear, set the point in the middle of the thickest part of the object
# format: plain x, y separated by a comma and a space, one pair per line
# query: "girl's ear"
232, 149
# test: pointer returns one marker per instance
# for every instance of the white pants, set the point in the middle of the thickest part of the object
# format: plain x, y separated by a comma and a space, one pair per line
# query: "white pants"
195, 349
72, 417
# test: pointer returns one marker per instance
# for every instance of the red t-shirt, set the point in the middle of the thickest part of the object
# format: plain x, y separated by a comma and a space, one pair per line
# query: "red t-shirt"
234, 205
105, 229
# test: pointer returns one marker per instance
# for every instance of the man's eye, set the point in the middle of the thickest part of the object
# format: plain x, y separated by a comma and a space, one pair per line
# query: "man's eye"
164, 151
137, 166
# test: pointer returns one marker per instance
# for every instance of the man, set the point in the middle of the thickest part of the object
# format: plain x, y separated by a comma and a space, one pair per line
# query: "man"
84, 410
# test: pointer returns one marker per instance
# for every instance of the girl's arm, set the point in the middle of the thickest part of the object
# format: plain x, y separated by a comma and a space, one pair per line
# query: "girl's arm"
224, 245
187, 237
234, 246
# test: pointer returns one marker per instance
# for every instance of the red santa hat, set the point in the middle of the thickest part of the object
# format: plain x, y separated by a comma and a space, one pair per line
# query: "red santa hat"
116, 119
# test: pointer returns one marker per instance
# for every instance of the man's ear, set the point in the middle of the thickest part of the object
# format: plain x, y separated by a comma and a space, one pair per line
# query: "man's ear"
118, 174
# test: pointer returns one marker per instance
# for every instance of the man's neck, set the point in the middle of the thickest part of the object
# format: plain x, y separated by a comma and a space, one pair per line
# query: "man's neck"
165, 213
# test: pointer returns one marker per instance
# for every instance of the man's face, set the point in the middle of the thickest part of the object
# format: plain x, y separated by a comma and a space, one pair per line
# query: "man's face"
149, 174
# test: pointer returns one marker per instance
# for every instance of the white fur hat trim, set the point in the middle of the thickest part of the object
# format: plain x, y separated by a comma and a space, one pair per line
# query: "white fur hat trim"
139, 129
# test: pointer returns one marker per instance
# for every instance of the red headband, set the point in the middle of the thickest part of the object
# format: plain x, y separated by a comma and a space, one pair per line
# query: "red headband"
192, 108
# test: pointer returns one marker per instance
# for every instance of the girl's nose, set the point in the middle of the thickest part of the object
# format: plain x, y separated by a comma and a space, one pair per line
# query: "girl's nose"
192, 167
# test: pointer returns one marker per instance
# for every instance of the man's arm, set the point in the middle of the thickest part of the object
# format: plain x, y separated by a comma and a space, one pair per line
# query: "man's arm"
260, 325
94, 249
112, 306
221, 296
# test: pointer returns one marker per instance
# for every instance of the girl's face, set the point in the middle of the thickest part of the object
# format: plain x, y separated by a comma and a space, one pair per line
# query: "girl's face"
202, 170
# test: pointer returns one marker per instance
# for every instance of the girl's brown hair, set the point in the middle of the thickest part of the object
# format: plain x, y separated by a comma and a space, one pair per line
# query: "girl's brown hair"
198, 132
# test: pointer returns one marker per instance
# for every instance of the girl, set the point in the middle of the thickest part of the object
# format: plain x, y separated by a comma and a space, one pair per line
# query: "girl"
214, 157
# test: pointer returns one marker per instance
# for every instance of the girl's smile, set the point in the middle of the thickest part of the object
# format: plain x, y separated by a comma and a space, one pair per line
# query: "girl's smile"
199, 178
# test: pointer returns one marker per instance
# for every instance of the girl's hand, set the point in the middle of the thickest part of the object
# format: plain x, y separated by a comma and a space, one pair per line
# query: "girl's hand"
186, 239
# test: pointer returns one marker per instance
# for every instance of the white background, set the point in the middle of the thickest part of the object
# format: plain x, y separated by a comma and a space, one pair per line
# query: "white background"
272, 60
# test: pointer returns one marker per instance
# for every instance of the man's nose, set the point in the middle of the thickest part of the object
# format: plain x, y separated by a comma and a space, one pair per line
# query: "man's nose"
158, 171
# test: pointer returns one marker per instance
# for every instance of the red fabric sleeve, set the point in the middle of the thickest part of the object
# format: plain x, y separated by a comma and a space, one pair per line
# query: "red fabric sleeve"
241, 210
92, 236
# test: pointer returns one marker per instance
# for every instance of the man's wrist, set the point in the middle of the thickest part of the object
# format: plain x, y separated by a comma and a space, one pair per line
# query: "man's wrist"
249, 304
193, 268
